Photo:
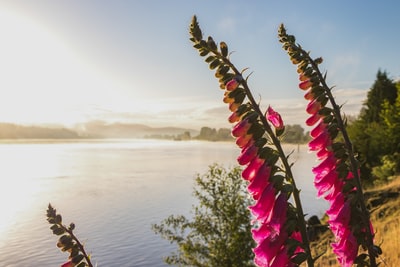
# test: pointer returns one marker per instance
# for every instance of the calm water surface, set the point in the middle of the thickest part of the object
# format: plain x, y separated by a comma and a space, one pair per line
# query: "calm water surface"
113, 191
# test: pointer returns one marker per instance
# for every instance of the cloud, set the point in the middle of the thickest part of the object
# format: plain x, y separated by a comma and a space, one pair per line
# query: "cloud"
227, 24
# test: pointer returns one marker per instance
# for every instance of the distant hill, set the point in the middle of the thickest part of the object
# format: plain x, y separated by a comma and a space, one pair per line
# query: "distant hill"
14, 131
93, 129
100, 129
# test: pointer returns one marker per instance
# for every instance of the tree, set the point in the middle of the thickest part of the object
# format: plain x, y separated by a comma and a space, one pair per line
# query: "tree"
219, 234
382, 90
369, 132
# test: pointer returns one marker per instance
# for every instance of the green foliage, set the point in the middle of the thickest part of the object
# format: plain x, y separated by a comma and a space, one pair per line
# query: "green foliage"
376, 132
211, 134
294, 134
67, 241
382, 90
219, 234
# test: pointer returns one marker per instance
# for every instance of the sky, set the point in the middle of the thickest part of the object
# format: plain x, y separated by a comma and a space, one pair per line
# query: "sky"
69, 61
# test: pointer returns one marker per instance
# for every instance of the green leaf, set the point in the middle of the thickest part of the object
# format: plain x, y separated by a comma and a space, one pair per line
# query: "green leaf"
299, 258
210, 59
211, 44
77, 259
58, 231
82, 264
224, 49
58, 218
215, 63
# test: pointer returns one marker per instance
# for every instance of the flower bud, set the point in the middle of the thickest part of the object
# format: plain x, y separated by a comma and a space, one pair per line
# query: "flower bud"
232, 85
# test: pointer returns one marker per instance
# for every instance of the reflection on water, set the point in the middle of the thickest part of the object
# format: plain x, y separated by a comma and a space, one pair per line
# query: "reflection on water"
113, 191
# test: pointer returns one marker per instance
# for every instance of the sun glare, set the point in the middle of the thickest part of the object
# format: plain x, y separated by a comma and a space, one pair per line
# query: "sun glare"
43, 79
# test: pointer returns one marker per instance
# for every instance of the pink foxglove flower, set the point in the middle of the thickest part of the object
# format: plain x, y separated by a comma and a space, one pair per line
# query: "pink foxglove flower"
248, 153
241, 128
275, 118
252, 169
68, 264
232, 85
262, 209
305, 85
260, 181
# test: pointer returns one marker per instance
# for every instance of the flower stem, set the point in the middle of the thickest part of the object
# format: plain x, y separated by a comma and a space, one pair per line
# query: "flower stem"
353, 161
289, 174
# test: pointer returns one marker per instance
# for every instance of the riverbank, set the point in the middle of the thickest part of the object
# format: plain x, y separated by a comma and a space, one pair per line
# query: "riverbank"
384, 203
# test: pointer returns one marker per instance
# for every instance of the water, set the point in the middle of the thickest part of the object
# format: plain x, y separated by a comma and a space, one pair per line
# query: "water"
113, 191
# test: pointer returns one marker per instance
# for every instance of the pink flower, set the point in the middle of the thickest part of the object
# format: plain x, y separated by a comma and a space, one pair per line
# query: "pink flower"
320, 142
241, 128
346, 249
245, 140
251, 170
324, 182
304, 85
260, 181
234, 117
325, 166
275, 118
232, 85
268, 248
262, 209
309, 95
68, 264
313, 119
234, 106
248, 153
313, 107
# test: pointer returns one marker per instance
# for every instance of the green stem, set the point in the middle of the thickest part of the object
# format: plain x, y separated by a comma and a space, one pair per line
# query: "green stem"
81, 247
353, 161
289, 174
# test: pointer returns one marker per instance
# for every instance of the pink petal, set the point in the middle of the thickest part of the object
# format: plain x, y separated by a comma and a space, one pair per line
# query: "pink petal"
313, 119
275, 118
304, 85
313, 107
262, 209
244, 140
248, 153
251, 170
260, 181
268, 249
232, 85
241, 128
321, 141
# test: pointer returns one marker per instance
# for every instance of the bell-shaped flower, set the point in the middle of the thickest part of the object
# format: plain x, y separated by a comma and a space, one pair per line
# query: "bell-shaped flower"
268, 248
321, 141
234, 106
313, 119
324, 182
241, 128
325, 166
309, 95
248, 153
252, 169
275, 118
305, 85
68, 264
282, 259
313, 107
232, 85
234, 117
262, 209
346, 249
260, 181
321, 127
245, 140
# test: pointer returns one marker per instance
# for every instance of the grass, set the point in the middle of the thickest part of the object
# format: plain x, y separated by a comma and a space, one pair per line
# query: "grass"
384, 203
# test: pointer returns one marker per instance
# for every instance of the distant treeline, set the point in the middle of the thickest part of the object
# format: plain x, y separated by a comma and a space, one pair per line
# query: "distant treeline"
293, 134
14, 131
